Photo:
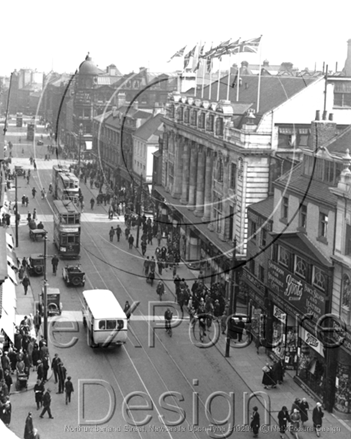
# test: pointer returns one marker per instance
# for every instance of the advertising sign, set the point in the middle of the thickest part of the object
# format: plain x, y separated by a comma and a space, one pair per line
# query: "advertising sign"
300, 295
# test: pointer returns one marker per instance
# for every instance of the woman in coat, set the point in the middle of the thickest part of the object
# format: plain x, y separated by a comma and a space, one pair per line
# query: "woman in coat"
317, 418
295, 419
267, 380
255, 421
304, 407
283, 419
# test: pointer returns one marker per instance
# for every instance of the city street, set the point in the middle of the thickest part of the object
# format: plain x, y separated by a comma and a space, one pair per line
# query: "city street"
167, 365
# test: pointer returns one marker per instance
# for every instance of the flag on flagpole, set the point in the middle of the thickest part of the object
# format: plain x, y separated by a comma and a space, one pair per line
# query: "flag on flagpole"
179, 53
188, 56
251, 45
199, 56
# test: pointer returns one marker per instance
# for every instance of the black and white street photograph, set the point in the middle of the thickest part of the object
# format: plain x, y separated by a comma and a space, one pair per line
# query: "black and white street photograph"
175, 220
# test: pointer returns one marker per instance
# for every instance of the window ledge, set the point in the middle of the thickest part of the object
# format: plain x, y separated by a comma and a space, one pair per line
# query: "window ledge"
284, 220
301, 229
322, 240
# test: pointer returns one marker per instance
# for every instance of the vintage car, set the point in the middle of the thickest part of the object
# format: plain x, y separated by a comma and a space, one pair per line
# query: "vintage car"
35, 233
53, 301
73, 275
36, 264
20, 171
40, 142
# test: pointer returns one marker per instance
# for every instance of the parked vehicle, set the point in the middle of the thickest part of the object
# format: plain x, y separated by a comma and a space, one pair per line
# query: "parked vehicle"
53, 300
36, 264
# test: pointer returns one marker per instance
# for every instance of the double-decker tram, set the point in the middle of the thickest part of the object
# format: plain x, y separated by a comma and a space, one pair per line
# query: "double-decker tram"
66, 228
65, 184
19, 119
30, 131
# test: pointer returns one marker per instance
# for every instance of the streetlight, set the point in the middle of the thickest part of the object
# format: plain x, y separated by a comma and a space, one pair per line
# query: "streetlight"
138, 204
16, 210
80, 132
232, 299
45, 299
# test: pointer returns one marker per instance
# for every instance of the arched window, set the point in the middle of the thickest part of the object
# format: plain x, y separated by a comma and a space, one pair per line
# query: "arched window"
346, 292
219, 127
186, 116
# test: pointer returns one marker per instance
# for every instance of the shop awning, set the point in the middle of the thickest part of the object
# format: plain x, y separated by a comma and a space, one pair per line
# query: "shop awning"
12, 275
3, 259
8, 312
12, 259
9, 241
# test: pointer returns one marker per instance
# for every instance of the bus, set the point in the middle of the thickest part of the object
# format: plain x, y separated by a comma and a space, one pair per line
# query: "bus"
104, 319
19, 119
66, 228
30, 131
67, 187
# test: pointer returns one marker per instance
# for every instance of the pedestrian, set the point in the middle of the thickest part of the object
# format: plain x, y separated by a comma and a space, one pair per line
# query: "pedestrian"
82, 206
34, 191
40, 370
255, 421
46, 404
143, 248
296, 405
37, 322
8, 379
151, 276
130, 241
127, 232
46, 368
34, 216
240, 328
23, 200
27, 202
267, 380
26, 283
54, 262
118, 232
283, 419
29, 427
61, 377
159, 237
295, 419
160, 289
40, 225
69, 389
34, 164
317, 418
111, 233
92, 203
38, 393
54, 366
280, 371
160, 266
304, 407
147, 266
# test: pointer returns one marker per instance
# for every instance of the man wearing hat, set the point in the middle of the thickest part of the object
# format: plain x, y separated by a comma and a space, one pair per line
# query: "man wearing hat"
255, 421
40, 370
38, 392
46, 403
69, 389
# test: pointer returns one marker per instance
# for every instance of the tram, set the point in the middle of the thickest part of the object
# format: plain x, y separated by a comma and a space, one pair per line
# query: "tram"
65, 184
66, 228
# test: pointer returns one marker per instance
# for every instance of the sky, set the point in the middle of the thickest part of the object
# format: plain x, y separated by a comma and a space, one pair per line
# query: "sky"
57, 35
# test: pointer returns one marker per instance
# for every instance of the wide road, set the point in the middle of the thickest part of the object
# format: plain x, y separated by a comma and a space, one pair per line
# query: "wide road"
178, 389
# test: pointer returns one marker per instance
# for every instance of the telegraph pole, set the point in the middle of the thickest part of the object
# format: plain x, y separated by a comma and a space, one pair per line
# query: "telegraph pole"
45, 300
232, 299
16, 210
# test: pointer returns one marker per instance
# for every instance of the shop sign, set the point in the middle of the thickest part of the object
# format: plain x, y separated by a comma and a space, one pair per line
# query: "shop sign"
279, 314
312, 341
253, 280
302, 296
343, 335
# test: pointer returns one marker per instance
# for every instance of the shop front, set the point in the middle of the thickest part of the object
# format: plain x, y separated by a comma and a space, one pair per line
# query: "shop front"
254, 294
297, 306
343, 370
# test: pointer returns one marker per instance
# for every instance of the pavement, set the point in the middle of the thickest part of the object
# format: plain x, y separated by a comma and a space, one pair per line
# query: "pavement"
246, 362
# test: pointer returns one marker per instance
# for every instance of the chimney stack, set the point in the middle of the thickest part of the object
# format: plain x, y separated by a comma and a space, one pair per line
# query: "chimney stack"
121, 99
321, 131
114, 111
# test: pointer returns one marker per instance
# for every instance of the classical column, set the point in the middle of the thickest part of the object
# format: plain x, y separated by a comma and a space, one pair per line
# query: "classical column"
178, 162
200, 184
185, 179
225, 200
192, 179
208, 186
211, 225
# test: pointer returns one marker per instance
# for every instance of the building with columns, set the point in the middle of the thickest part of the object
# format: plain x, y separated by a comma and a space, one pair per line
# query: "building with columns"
220, 156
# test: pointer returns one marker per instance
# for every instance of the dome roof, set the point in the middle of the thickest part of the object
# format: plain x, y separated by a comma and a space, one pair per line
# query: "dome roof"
87, 67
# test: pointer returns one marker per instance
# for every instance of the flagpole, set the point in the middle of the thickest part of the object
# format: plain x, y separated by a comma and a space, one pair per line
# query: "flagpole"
203, 77
228, 79
210, 88
259, 79
219, 78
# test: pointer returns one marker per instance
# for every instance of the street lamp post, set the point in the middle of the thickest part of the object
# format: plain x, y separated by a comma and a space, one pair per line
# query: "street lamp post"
139, 210
45, 299
16, 209
79, 146
232, 299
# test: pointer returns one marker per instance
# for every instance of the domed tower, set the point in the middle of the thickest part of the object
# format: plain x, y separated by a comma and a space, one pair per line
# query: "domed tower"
84, 86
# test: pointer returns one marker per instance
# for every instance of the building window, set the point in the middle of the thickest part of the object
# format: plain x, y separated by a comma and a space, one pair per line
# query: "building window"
303, 216
300, 267
220, 170
253, 230
323, 225
319, 278
186, 116
252, 266
261, 273
202, 120
193, 117
263, 237
283, 256
348, 240
285, 208
180, 114
219, 127
233, 176
342, 99
209, 123
346, 292
217, 208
